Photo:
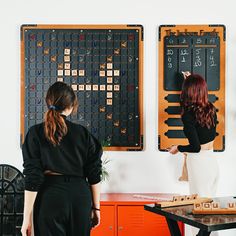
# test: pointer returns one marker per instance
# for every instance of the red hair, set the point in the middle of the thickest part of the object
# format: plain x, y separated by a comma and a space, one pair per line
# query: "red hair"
194, 97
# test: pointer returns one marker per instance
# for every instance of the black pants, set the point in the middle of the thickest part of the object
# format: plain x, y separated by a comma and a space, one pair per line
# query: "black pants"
63, 207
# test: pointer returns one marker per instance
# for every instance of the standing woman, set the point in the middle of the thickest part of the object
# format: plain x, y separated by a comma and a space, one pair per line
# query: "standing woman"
199, 121
62, 168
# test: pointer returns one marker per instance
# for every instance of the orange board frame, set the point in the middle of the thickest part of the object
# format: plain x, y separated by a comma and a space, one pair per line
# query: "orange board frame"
187, 30
138, 28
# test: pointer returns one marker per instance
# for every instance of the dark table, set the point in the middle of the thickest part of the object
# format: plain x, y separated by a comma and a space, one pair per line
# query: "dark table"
205, 223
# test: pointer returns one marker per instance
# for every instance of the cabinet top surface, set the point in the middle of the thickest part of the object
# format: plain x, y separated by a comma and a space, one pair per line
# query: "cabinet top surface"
135, 198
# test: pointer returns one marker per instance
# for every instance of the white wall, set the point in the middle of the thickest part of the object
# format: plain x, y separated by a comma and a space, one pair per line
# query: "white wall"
150, 170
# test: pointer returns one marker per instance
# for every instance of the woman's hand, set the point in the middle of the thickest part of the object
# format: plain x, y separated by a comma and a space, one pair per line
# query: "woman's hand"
26, 228
186, 74
95, 218
173, 149
29, 199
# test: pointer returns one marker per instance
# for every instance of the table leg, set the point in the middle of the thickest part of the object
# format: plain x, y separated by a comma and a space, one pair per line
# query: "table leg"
173, 227
203, 233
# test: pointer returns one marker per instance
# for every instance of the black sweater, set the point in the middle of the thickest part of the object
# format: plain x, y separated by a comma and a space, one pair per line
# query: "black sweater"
79, 154
195, 133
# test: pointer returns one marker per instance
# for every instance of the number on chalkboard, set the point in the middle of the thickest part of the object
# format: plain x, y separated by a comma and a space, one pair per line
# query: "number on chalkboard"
198, 50
199, 55
212, 40
183, 59
198, 41
170, 52
183, 41
183, 52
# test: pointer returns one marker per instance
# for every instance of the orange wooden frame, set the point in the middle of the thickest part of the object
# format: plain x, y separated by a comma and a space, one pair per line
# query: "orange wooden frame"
139, 29
163, 141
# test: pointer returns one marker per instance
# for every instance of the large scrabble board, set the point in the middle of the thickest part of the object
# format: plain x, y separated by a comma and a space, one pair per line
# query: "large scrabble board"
102, 63
199, 49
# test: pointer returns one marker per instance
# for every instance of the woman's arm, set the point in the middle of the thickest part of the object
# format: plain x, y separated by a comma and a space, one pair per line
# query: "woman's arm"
95, 189
34, 177
93, 171
191, 134
28, 208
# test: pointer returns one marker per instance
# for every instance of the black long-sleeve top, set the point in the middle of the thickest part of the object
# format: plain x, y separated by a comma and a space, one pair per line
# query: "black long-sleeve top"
78, 154
195, 133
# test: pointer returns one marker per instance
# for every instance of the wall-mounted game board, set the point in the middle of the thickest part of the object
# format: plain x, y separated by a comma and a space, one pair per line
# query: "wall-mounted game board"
104, 66
199, 49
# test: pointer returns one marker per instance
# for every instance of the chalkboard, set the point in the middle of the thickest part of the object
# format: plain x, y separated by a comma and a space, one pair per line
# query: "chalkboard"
103, 65
199, 49
197, 54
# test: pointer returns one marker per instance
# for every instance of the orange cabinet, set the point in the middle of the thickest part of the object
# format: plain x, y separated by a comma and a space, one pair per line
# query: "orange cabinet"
107, 225
133, 220
124, 215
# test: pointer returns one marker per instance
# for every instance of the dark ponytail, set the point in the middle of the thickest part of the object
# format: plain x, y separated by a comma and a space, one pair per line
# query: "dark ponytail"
59, 97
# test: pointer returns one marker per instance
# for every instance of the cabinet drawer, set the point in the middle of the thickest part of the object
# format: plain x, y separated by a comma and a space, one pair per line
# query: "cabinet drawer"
134, 220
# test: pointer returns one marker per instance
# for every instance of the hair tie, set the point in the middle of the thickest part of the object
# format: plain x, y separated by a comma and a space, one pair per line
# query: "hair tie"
51, 107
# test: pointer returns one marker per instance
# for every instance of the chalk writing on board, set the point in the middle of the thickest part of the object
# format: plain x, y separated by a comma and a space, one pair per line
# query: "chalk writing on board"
183, 52
170, 52
198, 61
183, 41
169, 62
197, 52
183, 60
199, 41
212, 60
212, 40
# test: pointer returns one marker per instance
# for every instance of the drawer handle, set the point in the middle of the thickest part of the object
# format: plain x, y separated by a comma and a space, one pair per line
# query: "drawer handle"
110, 227
120, 227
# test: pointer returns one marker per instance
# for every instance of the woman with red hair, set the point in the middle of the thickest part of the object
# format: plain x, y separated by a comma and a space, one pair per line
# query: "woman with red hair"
199, 121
